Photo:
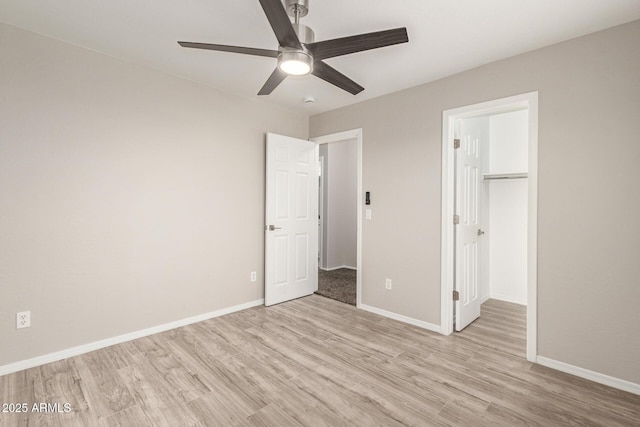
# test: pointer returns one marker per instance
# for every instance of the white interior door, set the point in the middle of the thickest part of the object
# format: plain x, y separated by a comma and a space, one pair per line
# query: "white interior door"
291, 232
468, 231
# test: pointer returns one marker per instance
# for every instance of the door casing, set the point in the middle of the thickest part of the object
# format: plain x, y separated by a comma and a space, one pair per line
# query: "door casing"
321, 202
503, 105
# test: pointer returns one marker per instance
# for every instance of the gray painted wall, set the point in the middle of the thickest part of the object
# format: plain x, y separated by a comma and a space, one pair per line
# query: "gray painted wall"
341, 204
589, 99
323, 152
129, 198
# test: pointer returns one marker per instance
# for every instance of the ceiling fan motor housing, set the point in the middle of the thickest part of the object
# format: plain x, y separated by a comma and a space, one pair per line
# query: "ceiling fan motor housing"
304, 33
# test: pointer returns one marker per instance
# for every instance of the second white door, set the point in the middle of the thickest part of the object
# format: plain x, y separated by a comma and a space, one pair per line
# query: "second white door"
468, 231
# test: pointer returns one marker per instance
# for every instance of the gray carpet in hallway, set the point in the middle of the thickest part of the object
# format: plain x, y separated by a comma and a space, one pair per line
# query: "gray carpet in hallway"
339, 285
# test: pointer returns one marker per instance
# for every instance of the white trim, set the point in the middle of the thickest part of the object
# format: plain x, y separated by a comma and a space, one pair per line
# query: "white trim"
446, 228
86, 348
321, 260
590, 375
343, 136
532, 232
525, 101
395, 316
338, 268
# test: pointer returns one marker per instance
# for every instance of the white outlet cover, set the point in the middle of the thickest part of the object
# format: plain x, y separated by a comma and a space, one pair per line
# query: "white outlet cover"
387, 283
23, 319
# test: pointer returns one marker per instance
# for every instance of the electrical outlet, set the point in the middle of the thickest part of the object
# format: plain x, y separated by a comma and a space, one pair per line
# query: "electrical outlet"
387, 284
254, 276
23, 319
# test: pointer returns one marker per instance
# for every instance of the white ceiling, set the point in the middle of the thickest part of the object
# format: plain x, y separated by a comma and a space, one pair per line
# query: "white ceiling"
445, 37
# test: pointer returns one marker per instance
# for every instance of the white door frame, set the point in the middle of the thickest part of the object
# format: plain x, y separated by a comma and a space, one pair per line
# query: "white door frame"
503, 105
344, 136
321, 212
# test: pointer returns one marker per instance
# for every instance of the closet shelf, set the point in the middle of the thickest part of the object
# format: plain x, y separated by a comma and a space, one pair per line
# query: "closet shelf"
493, 176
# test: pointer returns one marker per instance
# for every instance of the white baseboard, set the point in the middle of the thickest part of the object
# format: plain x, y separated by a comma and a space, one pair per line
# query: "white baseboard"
508, 298
338, 268
86, 348
590, 375
400, 317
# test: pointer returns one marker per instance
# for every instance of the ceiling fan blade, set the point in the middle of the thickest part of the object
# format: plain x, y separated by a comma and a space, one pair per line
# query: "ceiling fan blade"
336, 78
272, 82
280, 23
346, 45
234, 49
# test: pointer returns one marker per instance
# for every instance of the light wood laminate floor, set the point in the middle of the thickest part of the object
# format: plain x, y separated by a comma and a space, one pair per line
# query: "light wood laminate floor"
317, 362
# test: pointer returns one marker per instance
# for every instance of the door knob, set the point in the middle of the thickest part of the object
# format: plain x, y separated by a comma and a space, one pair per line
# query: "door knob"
273, 227
480, 232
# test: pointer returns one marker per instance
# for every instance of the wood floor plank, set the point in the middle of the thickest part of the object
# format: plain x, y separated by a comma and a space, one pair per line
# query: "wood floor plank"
123, 355
104, 390
63, 383
465, 410
224, 377
306, 405
13, 383
270, 415
318, 362
130, 417
155, 398
57, 398
216, 408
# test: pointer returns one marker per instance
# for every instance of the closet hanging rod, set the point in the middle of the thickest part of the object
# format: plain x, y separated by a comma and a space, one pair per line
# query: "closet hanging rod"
493, 176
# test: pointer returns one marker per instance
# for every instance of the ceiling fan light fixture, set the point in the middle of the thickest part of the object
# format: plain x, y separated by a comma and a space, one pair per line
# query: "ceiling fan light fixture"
295, 63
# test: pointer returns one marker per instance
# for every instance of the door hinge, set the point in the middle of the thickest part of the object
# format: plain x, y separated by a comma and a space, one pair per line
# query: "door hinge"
456, 295
456, 219
456, 143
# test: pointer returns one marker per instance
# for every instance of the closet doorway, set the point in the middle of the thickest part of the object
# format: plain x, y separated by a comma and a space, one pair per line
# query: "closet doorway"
489, 203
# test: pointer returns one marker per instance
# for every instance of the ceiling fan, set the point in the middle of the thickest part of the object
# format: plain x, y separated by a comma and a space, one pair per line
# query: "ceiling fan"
299, 54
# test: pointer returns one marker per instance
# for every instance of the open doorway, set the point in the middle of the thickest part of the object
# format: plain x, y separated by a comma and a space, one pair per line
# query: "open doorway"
339, 212
489, 204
